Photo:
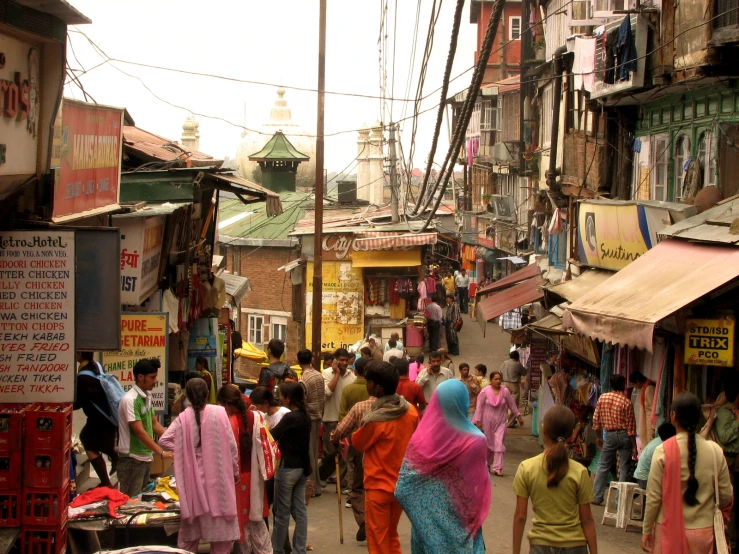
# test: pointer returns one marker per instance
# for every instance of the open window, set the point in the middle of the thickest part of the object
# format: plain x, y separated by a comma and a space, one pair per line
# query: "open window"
707, 159
682, 153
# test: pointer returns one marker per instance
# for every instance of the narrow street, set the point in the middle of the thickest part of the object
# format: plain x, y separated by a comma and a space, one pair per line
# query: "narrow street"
492, 350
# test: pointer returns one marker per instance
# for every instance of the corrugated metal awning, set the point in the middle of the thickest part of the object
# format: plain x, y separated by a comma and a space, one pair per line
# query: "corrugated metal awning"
523, 293
527, 272
241, 187
152, 210
236, 286
580, 286
626, 308
381, 240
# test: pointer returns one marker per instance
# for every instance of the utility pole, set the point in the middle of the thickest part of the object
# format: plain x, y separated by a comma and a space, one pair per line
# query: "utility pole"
393, 174
318, 234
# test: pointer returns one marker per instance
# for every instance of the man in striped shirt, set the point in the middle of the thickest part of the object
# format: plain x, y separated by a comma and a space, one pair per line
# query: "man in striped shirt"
346, 427
315, 399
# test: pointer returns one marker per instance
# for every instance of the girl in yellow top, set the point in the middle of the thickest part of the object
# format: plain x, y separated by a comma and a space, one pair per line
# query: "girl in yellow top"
560, 491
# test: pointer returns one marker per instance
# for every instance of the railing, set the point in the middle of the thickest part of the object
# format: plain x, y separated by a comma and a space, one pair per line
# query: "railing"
727, 13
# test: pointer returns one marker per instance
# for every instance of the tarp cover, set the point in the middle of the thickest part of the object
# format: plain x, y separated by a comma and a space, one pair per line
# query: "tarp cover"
522, 274
625, 308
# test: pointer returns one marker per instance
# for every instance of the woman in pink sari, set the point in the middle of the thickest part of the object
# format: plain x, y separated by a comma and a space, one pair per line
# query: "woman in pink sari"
681, 500
493, 404
206, 465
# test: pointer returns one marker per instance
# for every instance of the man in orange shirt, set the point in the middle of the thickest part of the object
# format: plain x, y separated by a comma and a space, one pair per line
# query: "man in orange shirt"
383, 437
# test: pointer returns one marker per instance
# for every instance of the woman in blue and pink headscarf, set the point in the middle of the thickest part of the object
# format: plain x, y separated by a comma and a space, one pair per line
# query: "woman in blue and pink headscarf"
444, 485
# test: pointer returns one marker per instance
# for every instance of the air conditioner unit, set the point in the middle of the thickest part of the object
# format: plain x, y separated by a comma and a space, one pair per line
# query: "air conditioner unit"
640, 29
501, 153
503, 207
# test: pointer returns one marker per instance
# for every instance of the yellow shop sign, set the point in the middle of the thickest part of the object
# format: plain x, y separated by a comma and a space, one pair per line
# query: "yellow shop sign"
710, 341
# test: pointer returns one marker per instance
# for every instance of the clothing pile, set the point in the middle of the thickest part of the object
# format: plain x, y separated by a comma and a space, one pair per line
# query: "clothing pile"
619, 52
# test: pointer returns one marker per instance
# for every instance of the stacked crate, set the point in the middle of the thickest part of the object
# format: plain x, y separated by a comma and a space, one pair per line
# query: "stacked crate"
12, 420
46, 478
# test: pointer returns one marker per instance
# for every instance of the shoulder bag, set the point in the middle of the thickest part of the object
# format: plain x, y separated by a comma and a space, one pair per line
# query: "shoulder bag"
719, 532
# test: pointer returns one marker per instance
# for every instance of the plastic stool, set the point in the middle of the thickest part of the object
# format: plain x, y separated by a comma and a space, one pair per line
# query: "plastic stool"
615, 508
637, 503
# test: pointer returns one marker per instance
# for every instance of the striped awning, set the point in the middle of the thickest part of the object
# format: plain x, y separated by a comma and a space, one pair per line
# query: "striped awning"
383, 240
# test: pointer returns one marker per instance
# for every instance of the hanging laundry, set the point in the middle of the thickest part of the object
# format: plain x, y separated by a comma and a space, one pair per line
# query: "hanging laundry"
626, 48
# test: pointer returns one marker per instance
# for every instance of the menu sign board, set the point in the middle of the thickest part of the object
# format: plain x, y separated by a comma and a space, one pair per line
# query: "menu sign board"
37, 351
143, 335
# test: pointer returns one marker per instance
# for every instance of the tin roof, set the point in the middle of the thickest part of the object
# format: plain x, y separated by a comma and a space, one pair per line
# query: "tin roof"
61, 9
244, 225
159, 149
718, 225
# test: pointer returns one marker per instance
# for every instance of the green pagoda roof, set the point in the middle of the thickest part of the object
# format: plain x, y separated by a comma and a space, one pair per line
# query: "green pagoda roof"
278, 148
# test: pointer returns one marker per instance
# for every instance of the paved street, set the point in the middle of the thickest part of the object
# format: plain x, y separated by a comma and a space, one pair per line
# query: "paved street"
323, 530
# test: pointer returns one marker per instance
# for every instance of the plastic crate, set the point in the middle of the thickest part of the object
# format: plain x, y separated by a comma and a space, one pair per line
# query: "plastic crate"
43, 469
11, 465
12, 417
10, 508
43, 540
45, 506
48, 426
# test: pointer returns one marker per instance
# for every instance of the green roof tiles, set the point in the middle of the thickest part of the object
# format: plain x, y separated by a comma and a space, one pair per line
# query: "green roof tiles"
278, 148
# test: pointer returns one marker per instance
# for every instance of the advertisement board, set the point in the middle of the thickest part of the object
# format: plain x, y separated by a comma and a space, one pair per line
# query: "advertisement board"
342, 317
37, 310
141, 252
611, 236
710, 341
143, 336
87, 153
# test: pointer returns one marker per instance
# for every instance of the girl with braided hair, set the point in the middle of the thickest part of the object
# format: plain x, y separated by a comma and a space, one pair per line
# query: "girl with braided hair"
680, 492
206, 465
251, 496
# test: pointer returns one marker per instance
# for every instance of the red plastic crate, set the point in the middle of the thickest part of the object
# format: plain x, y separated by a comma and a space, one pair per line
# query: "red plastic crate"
12, 417
43, 469
47, 429
10, 508
11, 464
43, 540
45, 506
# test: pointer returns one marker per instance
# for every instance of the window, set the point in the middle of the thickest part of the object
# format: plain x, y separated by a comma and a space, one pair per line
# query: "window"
606, 7
659, 168
546, 119
707, 159
682, 153
514, 28
279, 328
255, 329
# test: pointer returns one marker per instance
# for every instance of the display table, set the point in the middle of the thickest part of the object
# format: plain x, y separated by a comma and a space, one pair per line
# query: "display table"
83, 532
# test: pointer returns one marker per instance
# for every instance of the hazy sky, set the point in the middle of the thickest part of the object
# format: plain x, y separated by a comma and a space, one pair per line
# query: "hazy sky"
275, 42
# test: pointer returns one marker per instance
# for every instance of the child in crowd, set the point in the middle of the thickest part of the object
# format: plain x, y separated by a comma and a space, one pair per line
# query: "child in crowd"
481, 372
560, 491
416, 367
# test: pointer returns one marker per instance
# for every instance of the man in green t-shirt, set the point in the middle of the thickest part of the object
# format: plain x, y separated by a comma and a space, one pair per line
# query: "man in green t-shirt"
136, 430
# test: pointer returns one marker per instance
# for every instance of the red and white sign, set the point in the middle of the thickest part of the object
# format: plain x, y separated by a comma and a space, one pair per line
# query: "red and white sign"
88, 179
141, 250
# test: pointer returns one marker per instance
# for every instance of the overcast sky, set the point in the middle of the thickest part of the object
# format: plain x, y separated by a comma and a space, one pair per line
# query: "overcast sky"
274, 42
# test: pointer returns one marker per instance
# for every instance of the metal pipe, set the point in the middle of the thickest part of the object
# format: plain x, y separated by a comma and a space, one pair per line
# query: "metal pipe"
557, 100
318, 235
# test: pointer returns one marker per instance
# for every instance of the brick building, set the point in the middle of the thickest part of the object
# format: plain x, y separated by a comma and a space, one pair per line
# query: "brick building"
256, 247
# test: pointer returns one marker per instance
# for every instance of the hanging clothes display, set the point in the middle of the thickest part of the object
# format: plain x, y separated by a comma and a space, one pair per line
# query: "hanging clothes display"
626, 49
606, 366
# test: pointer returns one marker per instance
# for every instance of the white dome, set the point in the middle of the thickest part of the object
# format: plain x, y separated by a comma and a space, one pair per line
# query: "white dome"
280, 119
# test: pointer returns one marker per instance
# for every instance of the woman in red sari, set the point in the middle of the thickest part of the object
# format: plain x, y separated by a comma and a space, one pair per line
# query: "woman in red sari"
251, 499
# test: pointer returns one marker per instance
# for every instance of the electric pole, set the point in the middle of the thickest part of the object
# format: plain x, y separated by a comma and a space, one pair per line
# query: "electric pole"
318, 234
393, 175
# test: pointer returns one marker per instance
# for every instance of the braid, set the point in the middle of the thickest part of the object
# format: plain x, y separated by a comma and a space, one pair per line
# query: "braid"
692, 489
245, 436
197, 393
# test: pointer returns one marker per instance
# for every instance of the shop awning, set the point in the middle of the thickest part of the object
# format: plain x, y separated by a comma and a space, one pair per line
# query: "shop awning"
380, 240
625, 308
580, 286
246, 191
387, 258
236, 286
493, 306
550, 324
527, 272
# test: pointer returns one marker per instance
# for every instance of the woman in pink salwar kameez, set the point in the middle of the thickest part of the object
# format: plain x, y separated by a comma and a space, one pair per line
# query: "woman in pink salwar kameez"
206, 465
493, 404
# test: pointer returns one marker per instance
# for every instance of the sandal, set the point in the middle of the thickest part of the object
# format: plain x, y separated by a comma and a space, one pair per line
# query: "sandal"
309, 547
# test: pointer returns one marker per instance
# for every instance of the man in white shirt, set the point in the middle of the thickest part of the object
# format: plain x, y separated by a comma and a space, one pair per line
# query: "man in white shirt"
462, 281
433, 375
394, 350
334, 380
